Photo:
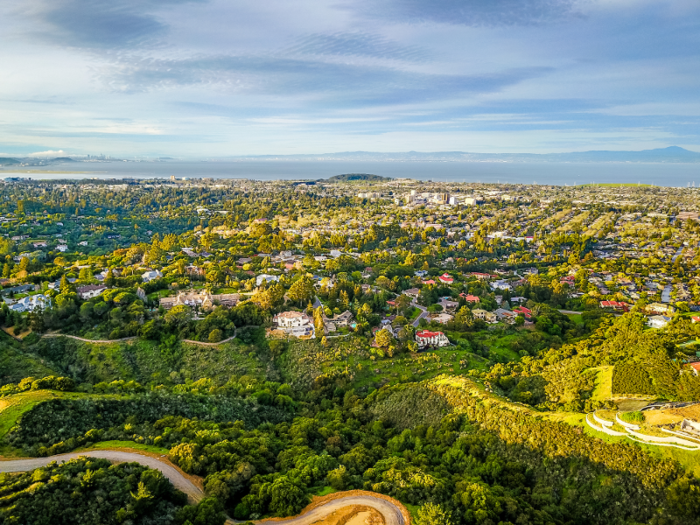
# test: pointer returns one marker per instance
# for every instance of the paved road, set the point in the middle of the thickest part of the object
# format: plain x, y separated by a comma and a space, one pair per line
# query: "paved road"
391, 512
176, 477
569, 312
423, 313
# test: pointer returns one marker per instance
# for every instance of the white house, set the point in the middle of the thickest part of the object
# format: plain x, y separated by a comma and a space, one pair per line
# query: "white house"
658, 321
501, 285
31, 303
90, 291
426, 338
150, 275
291, 319
263, 277
296, 324
62, 248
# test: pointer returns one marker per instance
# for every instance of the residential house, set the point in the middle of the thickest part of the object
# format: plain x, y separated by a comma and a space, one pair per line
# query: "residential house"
413, 293
428, 339
62, 248
31, 303
484, 315
90, 291
151, 275
263, 277
501, 285
296, 324
659, 309
205, 300
615, 305
505, 315
658, 321
448, 305
470, 298
525, 312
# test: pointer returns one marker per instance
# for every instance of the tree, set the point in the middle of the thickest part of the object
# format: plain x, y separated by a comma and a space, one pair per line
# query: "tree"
302, 290
318, 320
215, 336
383, 338
432, 514
287, 497
178, 315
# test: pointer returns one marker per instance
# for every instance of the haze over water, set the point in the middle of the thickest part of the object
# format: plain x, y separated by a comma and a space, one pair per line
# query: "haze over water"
490, 172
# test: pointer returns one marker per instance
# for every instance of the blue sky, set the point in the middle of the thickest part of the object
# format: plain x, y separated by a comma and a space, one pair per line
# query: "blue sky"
217, 78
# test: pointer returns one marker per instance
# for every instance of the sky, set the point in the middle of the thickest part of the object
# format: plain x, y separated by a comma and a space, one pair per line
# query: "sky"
219, 78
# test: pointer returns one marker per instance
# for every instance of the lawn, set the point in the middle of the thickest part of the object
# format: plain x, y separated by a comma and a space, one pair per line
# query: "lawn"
603, 383
115, 444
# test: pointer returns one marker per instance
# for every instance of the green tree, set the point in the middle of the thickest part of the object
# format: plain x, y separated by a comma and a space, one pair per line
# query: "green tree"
302, 290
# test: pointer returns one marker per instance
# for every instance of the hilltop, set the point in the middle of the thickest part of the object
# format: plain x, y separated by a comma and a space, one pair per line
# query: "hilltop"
350, 177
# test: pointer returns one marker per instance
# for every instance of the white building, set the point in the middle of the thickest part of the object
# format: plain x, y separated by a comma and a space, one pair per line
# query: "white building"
62, 248
426, 338
291, 319
90, 291
501, 285
31, 303
296, 324
658, 321
263, 277
150, 275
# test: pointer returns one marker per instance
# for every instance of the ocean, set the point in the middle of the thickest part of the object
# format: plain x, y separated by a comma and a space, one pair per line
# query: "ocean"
568, 174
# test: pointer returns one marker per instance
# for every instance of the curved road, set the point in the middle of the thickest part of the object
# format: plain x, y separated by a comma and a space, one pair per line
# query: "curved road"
391, 512
176, 477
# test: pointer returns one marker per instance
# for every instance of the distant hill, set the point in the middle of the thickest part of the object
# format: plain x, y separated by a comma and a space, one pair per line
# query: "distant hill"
6, 161
63, 159
665, 155
348, 177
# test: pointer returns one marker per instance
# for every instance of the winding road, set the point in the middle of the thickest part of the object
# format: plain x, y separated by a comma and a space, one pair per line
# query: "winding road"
393, 514
177, 478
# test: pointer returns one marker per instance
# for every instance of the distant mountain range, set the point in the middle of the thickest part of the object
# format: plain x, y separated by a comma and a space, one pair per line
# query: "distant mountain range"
670, 154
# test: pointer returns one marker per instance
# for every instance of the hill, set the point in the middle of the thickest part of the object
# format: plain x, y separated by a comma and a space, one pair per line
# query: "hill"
7, 161
349, 177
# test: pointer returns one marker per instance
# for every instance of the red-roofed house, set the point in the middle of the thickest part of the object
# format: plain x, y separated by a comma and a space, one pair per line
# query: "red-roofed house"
426, 338
695, 319
615, 305
481, 275
446, 278
469, 298
429, 282
527, 313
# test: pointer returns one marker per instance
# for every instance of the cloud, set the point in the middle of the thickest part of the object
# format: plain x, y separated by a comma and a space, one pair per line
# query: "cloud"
101, 24
355, 44
487, 13
59, 153
342, 84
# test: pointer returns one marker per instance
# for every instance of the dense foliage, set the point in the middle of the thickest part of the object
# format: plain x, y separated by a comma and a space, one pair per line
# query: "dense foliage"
90, 492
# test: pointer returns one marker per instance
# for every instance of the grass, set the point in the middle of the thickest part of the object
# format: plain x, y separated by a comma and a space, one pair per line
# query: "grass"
603, 384
115, 444
323, 491
576, 318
